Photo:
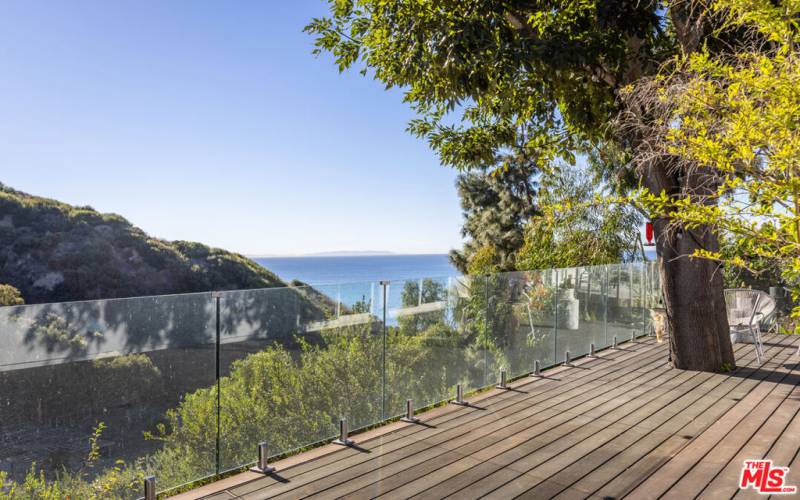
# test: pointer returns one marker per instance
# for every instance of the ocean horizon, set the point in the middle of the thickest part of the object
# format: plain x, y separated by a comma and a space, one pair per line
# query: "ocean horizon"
327, 270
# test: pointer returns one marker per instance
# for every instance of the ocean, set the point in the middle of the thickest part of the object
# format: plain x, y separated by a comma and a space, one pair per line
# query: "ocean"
357, 269
354, 279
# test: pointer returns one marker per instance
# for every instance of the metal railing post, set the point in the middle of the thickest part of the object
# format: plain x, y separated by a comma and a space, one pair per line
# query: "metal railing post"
410, 412
459, 396
555, 321
150, 488
502, 383
262, 466
605, 307
344, 438
385, 286
217, 296
488, 327
643, 297
537, 370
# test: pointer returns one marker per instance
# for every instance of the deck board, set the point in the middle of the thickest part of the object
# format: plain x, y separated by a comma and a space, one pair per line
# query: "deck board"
625, 424
682, 420
468, 424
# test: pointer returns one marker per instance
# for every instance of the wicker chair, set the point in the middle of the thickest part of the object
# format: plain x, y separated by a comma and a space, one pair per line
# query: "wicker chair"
746, 308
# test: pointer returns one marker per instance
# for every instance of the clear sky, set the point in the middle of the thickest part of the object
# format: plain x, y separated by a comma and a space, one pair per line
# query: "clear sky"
211, 121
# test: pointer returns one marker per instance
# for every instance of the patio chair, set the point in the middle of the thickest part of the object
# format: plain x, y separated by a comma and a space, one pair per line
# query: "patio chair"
745, 309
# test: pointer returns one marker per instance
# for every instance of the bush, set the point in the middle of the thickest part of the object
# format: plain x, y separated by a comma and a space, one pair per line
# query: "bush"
10, 296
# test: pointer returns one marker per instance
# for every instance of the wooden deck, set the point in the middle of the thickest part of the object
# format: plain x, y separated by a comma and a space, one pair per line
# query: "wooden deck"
620, 425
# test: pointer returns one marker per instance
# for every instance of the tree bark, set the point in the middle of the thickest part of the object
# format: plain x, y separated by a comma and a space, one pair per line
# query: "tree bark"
694, 301
692, 287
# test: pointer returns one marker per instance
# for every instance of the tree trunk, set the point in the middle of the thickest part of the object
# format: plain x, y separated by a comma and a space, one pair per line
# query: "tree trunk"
694, 300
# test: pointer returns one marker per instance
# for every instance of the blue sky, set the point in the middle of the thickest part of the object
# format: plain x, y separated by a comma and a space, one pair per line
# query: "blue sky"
211, 121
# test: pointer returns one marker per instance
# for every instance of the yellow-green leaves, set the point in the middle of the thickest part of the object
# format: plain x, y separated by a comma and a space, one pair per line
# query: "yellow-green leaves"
737, 121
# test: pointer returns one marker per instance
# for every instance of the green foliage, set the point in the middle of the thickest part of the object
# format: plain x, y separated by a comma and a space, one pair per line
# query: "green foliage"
119, 481
496, 206
483, 261
731, 120
130, 380
294, 391
296, 397
54, 252
94, 448
577, 228
517, 73
503, 90
432, 292
10, 296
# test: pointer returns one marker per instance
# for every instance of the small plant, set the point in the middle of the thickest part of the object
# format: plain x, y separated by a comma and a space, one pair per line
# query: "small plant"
94, 447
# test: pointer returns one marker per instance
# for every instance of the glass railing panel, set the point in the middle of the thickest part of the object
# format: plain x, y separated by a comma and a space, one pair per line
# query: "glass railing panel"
541, 308
294, 362
624, 302
432, 335
581, 310
638, 282
654, 315
522, 314
618, 324
94, 394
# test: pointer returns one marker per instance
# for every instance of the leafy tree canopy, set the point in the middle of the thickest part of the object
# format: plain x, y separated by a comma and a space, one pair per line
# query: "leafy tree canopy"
536, 71
497, 205
576, 230
732, 122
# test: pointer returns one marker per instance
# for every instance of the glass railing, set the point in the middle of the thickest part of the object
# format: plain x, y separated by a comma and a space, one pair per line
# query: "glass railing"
96, 396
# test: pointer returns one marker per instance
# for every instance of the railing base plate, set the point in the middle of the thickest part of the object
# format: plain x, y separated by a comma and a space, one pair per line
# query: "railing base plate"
268, 470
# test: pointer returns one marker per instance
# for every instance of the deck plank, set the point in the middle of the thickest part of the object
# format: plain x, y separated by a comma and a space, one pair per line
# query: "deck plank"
508, 437
623, 425
505, 406
621, 481
674, 423
546, 467
679, 422
487, 451
610, 414
662, 480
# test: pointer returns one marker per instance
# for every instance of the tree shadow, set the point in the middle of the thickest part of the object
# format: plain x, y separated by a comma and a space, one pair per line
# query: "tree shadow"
770, 375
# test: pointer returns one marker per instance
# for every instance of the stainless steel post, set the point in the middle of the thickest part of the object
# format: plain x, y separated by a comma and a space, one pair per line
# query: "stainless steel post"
150, 488
410, 412
459, 396
263, 459
344, 439
502, 383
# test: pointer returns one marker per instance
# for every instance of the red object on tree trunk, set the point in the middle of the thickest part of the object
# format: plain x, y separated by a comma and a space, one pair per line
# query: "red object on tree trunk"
648, 233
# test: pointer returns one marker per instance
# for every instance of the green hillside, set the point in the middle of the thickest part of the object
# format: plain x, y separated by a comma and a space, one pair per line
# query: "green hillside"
55, 252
